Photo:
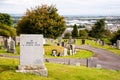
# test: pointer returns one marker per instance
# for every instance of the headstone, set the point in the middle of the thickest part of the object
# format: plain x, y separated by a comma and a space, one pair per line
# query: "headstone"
54, 52
78, 64
71, 52
98, 41
17, 40
98, 66
101, 42
60, 40
60, 54
12, 46
118, 44
114, 45
32, 54
63, 44
74, 41
65, 52
91, 62
70, 40
72, 47
44, 41
83, 41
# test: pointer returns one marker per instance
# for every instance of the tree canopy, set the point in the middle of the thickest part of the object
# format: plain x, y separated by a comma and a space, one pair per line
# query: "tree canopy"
42, 20
98, 30
7, 31
5, 19
83, 33
115, 37
75, 31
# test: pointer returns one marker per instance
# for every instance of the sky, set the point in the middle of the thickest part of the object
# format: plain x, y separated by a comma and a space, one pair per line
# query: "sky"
65, 7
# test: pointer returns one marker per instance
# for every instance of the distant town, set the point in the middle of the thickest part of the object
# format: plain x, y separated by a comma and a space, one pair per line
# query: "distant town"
112, 22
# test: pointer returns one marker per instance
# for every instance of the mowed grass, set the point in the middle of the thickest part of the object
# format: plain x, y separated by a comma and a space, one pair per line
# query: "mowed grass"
94, 44
56, 72
4, 51
79, 53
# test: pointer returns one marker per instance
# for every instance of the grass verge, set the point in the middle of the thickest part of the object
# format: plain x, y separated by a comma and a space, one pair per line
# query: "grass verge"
56, 72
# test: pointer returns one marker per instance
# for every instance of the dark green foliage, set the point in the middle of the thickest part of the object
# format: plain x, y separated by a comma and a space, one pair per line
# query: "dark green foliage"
67, 35
81, 26
42, 20
98, 30
5, 19
116, 36
75, 31
7, 31
83, 33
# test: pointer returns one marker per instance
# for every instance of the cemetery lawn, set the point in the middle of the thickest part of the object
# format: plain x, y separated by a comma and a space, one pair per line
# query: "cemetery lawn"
4, 52
56, 72
94, 44
79, 53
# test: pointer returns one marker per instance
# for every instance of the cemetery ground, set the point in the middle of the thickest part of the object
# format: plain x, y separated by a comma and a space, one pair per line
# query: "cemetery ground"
56, 72
60, 71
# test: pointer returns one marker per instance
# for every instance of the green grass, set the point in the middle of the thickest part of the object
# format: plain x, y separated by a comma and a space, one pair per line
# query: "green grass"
94, 44
56, 72
4, 51
79, 54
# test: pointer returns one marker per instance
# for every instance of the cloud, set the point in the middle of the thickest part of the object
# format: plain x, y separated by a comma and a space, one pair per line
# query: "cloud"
65, 7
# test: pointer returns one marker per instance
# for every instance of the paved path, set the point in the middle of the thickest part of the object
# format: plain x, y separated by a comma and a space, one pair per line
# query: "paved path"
105, 58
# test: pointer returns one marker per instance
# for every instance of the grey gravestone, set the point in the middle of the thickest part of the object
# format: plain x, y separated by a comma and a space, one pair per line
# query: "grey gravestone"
74, 41
63, 44
70, 40
114, 45
118, 44
59, 41
72, 48
92, 62
70, 52
83, 41
54, 52
17, 40
32, 55
60, 54
65, 52
12, 46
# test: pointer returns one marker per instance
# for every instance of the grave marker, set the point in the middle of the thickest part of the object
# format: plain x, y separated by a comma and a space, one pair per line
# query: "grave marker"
31, 54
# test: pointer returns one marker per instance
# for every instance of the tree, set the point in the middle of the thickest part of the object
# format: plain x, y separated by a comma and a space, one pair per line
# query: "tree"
115, 37
67, 35
83, 33
7, 31
5, 19
75, 31
42, 20
98, 29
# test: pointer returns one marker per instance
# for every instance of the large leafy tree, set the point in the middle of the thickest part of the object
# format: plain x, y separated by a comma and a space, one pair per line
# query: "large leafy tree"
42, 20
5, 19
83, 33
7, 31
98, 29
75, 31
116, 36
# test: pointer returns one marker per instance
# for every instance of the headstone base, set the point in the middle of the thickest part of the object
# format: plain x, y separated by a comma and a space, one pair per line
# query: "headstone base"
33, 69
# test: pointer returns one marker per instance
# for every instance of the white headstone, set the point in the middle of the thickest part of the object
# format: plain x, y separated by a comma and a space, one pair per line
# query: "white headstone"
65, 51
118, 44
71, 52
31, 54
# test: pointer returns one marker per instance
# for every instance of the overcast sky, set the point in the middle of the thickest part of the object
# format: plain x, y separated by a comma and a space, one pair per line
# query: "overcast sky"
65, 7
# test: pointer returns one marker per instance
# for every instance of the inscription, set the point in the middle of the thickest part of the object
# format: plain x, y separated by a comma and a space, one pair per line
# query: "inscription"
31, 43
